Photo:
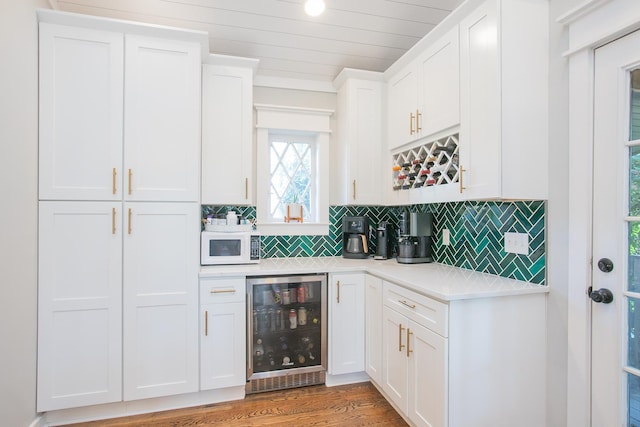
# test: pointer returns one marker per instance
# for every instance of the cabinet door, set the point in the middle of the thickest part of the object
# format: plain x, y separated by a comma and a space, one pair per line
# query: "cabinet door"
440, 85
346, 323
223, 345
162, 120
427, 356
81, 83
402, 105
359, 142
480, 136
160, 299
373, 326
395, 374
227, 160
79, 304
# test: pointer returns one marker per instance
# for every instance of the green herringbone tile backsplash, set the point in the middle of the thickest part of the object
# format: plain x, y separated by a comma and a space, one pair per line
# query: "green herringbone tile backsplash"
477, 235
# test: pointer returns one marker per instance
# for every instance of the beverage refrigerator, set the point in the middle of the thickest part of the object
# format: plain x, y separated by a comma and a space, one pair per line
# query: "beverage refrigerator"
286, 331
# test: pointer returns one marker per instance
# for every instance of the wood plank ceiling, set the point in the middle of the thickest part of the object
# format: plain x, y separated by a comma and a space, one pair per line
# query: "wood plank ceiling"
364, 34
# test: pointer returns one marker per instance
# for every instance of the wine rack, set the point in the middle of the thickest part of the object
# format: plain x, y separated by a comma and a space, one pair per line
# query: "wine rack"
433, 163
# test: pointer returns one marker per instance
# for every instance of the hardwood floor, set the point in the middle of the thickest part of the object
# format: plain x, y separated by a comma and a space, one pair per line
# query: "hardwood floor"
351, 405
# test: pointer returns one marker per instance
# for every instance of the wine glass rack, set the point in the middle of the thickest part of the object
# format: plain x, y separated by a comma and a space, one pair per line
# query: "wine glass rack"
433, 163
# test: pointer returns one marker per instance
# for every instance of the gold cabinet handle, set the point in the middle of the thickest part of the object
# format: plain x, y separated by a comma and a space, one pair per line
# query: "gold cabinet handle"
462, 187
206, 323
354, 189
418, 115
338, 297
223, 291
246, 188
411, 117
409, 351
406, 304
113, 180
130, 179
129, 222
400, 345
113, 220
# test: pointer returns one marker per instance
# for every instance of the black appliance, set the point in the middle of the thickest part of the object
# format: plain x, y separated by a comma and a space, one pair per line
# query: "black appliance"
414, 243
384, 241
355, 237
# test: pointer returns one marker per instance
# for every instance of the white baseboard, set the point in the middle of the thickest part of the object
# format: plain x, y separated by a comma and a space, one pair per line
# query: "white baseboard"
38, 422
336, 380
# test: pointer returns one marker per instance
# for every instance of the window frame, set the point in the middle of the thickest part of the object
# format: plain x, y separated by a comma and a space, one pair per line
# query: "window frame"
313, 122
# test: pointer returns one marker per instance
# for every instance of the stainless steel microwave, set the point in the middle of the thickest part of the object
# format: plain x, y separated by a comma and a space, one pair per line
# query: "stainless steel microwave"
238, 247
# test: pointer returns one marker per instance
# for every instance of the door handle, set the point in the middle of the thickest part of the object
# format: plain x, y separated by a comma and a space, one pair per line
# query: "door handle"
602, 295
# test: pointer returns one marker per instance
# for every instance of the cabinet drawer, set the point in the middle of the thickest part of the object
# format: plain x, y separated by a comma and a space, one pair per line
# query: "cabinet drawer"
222, 290
423, 310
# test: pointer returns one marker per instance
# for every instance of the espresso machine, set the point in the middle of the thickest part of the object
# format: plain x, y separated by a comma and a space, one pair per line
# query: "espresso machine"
355, 237
414, 242
384, 240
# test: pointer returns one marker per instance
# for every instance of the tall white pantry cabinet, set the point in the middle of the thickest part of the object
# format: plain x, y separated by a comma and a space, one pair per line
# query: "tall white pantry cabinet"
118, 214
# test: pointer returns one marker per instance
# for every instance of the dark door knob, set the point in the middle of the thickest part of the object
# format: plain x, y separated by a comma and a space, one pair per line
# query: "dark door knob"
602, 295
605, 265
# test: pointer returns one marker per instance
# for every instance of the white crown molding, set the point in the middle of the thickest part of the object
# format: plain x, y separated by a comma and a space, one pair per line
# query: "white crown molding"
581, 10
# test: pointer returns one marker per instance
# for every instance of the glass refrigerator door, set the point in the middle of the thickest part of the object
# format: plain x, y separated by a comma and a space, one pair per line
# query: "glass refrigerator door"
287, 323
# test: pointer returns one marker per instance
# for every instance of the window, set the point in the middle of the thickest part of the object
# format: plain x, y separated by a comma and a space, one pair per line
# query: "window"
292, 156
292, 162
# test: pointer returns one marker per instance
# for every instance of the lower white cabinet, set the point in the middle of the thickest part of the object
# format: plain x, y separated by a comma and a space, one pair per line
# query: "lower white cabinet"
469, 362
373, 326
117, 302
222, 332
346, 323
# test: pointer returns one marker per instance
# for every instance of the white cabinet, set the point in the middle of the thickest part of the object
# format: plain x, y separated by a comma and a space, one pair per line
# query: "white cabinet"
415, 358
160, 299
346, 323
222, 333
81, 113
456, 364
79, 304
423, 97
227, 134
162, 119
359, 147
118, 261
373, 326
107, 137
504, 92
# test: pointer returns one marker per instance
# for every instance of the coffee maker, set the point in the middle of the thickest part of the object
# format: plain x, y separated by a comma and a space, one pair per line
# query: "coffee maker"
384, 240
355, 237
414, 243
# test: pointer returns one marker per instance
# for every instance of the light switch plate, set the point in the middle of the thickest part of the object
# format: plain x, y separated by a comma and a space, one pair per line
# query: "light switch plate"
446, 237
516, 243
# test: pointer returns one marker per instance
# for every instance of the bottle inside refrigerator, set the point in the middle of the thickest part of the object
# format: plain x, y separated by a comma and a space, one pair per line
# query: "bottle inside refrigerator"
286, 339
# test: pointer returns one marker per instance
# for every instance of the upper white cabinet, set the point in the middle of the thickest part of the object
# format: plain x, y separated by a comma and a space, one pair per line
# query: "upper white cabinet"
504, 100
81, 113
162, 119
107, 137
359, 146
346, 323
227, 133
423, 98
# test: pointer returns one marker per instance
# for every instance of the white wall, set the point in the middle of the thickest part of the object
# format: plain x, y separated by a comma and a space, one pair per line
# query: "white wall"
18, 215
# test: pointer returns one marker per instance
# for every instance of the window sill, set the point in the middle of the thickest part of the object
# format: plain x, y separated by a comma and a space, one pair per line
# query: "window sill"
293, 229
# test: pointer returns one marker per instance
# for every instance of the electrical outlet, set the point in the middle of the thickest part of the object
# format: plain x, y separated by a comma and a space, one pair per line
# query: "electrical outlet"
446, 237
516, 243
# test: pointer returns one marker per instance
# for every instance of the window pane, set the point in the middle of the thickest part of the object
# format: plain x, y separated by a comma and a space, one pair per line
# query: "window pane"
634, 181
633, 395
634, 119
633, 350
634, 256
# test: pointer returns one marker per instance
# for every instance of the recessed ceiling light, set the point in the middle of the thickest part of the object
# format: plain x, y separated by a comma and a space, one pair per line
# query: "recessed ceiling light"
314, 7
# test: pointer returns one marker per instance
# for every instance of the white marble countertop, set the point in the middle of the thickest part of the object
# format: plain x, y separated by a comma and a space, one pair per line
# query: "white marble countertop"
434, 280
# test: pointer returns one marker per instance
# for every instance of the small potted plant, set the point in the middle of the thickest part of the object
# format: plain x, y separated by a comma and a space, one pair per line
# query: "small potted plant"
294, 210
